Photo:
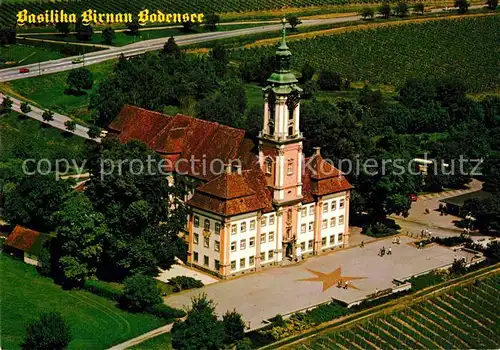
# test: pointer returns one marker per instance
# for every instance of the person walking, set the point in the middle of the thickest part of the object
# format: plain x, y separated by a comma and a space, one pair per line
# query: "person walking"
346, 284
389, 252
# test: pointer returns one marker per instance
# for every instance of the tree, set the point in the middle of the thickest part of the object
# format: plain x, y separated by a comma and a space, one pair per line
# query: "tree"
234, 327
367, 13
493, 251
369, 97
171, 48
133, 27
7, 36
385, 10
294, 21
6, 105
211, 20
401, 9
80, 79
492, 4
70, 125
307, 73
463, 5
83, 32
329, 81
416, 93
34, 200
140, 292
492, 174
48, 116
309, 88
220, 56
94, 131
63, 28
201, 329
50, 332
25, 107
108, 34
486, 212
419, 7
187, 26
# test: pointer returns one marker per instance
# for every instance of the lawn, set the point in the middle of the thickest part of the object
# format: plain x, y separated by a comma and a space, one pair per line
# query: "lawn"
161, 342
48, 91
24, 54
95, 322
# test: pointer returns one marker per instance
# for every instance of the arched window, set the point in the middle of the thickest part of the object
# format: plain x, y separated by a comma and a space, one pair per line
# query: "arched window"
269, 166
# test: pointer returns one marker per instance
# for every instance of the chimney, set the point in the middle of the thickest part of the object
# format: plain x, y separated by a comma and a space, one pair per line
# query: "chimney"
317, 151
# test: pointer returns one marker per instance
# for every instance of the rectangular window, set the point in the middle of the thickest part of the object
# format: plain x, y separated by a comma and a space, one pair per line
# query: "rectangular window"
251, 242
217, 246
310, 244
303, 246
270, 255
311, 226
262, 256
216, 264
340, 238
251, 261
252, 225
289, 169
195, 256
196, 221
325, 207
263, 238
304, 211
334, 205
323, 242
196, 238
324, 224
341, 219
333, 222
311, 210
271, 236
242, 263
332, 239
243, 227
206, 225
205, 260
243, 244
341, 204
269, 166
217, 228
206, 242
263, 222
233, 246
233, 265
303, 228
271, 219
233, 229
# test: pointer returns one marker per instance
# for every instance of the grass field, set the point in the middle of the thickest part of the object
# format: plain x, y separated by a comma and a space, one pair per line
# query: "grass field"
48, 91
25, 138
95, 322
23, 54
161, 342
467, 47
464, 317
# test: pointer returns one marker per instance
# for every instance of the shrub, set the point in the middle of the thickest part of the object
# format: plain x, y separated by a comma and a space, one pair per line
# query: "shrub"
184, 282
166, 312
451, 241
329, 81
234, 327
25, 107
327, 312
50, 332
103, 289
140, 293
380, 230
309, 89
367, 13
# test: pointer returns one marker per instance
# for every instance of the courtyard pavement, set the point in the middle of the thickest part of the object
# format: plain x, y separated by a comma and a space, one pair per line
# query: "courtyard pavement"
284, 290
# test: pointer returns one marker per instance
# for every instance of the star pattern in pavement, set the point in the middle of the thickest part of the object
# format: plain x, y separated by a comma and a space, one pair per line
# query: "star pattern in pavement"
332, 278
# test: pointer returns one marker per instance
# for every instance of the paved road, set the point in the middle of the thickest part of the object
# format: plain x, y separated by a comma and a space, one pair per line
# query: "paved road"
141, 47
58, 122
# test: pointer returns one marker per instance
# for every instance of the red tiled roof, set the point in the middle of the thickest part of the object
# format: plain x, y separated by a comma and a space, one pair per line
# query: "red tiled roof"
322, 180
22, 238
321, 169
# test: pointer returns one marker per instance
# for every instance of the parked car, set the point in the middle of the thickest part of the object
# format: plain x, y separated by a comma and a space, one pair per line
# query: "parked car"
77, 60
413, 197
24, 70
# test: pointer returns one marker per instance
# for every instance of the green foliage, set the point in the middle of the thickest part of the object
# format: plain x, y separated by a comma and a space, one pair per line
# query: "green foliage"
307, 73
166, 312
7, 36
294, 21
423, 281
492, 4
329, 81
133, 27
63, 28
309, 88
83, 32
6, 105
181, 283
104, 289
94, 131
385, 9
452, 241
25, 107
380, 230
48, 115
367, 13
234, 327
463, 5
50, 332
401, 9
371, 98
419, 7
458, 268
70, 125
80, 79
171, 48
486, 212
108, 34
327, 312
201, 329
140, 293
492, 251
211, 20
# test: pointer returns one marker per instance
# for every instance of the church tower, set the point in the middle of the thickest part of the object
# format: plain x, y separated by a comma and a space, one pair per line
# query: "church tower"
280, 141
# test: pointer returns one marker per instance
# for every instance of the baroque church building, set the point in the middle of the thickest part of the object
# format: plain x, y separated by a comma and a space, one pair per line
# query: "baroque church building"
250, 210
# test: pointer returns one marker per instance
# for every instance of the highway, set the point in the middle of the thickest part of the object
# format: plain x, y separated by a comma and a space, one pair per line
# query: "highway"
140, 47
